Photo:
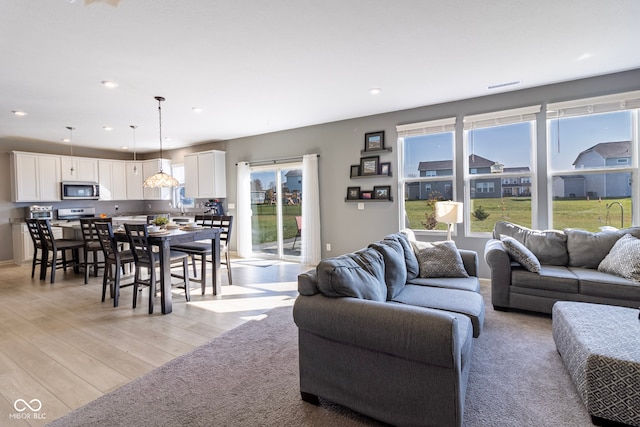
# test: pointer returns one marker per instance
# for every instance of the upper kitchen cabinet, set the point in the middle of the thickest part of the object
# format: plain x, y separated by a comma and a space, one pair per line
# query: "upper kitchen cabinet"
112, 179
135, 178
35, 177
150, 167
205, 175
79, 169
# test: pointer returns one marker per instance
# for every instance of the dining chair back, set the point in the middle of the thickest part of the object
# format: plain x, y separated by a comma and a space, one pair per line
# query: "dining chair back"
91, 245
34, 232
146, 258
114, 259
53, 246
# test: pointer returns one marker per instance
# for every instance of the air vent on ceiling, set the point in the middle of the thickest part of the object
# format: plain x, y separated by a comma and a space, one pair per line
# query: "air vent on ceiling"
500, 85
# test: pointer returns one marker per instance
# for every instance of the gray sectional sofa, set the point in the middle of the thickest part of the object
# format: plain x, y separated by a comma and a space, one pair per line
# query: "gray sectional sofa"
573, 265
376, 337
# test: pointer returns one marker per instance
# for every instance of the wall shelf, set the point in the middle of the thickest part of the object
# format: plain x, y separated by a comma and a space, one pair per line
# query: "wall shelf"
390, 199
388, 149
371, 176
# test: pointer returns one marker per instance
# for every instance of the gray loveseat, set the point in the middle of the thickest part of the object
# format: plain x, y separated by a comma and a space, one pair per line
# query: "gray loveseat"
377, 338
574, 265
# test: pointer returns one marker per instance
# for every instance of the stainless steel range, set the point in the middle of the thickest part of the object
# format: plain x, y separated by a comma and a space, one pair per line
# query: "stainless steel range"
39, 212
76, 213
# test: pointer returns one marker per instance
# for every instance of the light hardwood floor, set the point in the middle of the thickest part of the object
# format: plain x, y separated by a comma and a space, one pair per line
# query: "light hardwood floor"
62, 346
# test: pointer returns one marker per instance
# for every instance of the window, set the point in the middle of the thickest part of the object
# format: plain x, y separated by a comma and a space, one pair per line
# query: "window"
178, 199
591, 146
427, 171
500, 160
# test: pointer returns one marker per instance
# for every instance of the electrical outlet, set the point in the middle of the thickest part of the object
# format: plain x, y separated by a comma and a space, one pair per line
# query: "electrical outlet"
328, 247
116, 207
360, 206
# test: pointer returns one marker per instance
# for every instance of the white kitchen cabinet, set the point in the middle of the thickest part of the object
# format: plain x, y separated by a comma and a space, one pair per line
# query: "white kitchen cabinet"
79, 169
112, 180
205, 175
151, 167
35, 177
135, 178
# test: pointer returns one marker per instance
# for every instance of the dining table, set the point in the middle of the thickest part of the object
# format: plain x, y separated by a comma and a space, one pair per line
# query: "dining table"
163, 240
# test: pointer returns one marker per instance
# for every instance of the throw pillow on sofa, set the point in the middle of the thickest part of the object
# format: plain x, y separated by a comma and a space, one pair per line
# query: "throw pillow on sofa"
395, 268
358, 275
623, 259
439, 259
587, 249
549, 246
520, 254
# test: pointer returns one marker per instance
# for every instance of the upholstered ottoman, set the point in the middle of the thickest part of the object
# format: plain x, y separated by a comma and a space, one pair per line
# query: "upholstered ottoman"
600, 346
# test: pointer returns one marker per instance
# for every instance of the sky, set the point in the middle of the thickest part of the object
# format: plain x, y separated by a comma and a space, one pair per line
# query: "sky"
510, 144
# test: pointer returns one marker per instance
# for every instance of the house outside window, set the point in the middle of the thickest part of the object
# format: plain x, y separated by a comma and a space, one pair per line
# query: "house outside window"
500, 160
427, 153
593, 150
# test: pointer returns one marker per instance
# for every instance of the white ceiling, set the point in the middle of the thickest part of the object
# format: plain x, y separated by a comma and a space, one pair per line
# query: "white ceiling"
258, 66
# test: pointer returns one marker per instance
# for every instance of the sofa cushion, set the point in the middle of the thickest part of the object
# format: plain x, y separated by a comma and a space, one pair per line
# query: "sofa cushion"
605, 285
551, 278
549, 246
587, 249
439, 259
359, 275
395, 268
413, 269
521, 254
470, 304
624, 259
470, 283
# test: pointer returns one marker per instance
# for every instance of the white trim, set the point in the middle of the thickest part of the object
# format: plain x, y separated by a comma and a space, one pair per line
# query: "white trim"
495, 118
598, 104
426, 128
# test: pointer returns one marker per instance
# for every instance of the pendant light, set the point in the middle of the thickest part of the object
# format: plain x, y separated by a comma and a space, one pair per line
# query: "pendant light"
160, 179
71, 129
135, 167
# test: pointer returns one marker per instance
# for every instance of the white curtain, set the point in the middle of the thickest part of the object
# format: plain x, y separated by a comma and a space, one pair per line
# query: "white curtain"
311, 245
243, 202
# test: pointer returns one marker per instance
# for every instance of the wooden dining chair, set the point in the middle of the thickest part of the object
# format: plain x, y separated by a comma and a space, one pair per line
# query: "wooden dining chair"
115, 260
34, 232
200, 250
55, 246
145, 257
92, 245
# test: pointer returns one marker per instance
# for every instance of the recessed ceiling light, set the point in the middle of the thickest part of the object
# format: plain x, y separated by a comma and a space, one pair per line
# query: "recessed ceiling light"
584, 56
124, 147
375, 91
66, 140
107, 128
109, 84
19, 113
196, 109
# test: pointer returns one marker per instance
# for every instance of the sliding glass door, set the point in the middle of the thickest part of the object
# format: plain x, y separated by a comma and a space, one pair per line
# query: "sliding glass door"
276, 205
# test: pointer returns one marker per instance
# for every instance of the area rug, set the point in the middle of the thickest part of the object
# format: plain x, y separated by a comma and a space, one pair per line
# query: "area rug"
249, 377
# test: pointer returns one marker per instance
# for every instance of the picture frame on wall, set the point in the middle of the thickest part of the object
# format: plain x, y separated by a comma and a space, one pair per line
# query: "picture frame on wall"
382, 192
366, 195
353, 193
385, 168
374, 141
369, 165
355, 171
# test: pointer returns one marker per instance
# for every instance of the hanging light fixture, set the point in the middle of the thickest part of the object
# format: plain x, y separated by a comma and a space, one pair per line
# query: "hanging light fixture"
71, 129
160, 179
135, 167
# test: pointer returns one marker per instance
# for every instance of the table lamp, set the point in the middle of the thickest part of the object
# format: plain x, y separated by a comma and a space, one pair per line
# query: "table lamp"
449, 213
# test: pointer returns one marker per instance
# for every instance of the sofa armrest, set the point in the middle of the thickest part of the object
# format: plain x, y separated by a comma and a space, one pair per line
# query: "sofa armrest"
470, 261
500, 266
425, 335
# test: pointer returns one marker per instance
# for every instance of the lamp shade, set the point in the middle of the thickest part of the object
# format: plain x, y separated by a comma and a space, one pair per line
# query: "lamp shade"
448, 212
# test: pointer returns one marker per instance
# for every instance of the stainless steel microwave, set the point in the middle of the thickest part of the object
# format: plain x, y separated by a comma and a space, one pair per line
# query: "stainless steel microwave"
76, 190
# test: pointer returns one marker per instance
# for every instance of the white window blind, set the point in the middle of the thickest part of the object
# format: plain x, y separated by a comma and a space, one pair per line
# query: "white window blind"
426, 128
600, 104
505, 117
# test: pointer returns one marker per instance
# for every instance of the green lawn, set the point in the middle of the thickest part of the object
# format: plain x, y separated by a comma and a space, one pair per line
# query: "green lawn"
264, 222
583, 214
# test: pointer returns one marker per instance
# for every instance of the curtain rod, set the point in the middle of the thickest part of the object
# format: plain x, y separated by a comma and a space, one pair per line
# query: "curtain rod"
275, 161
